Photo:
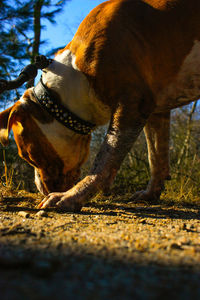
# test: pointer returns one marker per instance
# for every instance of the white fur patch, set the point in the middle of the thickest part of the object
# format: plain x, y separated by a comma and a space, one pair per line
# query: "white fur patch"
58, 136
186, 86
64, 141
67, 80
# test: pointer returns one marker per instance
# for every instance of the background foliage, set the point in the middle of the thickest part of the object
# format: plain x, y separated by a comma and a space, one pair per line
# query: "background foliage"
20, 32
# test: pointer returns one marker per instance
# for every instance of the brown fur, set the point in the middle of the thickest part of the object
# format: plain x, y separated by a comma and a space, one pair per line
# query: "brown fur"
125, 45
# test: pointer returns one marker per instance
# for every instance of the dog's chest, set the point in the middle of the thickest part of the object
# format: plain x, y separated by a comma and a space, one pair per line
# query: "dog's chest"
186, 85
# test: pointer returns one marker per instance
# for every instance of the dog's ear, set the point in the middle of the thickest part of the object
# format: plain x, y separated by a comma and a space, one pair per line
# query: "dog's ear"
7, 118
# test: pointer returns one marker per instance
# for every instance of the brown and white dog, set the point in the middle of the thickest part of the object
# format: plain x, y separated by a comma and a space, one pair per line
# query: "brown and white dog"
130, 63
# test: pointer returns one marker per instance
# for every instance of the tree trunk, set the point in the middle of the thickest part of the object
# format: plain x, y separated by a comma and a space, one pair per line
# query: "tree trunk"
37, 33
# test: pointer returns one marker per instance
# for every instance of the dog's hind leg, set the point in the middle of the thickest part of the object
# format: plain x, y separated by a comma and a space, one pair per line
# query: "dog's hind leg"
157, 131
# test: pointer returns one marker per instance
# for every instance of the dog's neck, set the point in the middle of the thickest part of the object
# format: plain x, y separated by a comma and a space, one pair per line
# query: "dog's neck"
73, 88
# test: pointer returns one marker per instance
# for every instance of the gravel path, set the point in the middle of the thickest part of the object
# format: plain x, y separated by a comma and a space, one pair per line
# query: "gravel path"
108, 251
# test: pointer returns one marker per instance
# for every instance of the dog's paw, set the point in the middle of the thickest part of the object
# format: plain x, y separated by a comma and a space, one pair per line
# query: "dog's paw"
61, 201
146, 196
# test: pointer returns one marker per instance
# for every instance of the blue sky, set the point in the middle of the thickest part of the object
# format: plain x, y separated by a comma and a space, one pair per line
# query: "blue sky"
67, 23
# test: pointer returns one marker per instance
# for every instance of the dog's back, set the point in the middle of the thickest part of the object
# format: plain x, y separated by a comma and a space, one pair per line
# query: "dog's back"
128, 45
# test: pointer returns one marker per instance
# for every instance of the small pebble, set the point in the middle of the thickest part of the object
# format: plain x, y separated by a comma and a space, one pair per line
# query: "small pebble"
41, 213
23, 214
175, 246
143, 221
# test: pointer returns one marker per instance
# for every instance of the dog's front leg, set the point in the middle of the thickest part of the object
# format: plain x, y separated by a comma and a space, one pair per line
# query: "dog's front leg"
122, 132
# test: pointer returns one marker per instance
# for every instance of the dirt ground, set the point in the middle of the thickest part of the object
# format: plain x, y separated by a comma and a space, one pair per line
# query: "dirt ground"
110, 250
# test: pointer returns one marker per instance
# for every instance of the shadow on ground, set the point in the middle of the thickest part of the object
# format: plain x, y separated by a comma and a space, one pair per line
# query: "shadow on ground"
107, 251
46, 275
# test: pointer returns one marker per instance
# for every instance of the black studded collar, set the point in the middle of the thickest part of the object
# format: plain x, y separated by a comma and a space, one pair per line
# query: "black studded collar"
63, 115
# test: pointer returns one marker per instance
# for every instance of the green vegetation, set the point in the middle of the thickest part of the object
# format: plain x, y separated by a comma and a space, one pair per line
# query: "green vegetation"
16, 174
21, 23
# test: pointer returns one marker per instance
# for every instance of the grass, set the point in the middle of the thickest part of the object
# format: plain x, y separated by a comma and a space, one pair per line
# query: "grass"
8, 172
182, 189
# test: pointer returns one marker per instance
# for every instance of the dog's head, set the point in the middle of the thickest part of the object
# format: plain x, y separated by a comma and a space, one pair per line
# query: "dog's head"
54, 151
